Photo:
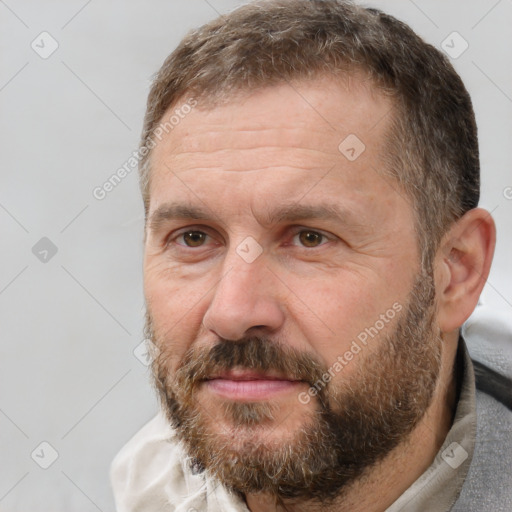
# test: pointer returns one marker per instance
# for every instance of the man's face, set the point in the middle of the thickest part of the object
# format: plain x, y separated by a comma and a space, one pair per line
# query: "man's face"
283, 288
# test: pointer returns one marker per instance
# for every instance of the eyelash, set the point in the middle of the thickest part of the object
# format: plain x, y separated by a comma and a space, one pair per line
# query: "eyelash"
175, 236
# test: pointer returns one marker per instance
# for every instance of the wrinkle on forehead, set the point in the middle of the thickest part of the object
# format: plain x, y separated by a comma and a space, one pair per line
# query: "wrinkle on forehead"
313, 116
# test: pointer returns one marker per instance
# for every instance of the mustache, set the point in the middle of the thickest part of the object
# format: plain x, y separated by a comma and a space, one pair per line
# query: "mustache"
255, 353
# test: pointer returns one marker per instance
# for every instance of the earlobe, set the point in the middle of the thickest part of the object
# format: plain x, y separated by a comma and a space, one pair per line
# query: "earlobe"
463, 264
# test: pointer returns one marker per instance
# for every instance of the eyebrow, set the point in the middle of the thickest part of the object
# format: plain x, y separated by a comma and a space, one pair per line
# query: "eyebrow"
285, 213
295, 212
174, 211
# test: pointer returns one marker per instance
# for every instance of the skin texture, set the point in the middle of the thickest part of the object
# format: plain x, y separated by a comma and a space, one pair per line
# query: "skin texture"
240, 162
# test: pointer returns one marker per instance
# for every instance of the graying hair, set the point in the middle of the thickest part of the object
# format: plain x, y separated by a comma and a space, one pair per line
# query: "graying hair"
432, 143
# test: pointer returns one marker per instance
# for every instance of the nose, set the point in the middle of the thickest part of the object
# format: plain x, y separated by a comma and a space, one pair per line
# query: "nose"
245, 300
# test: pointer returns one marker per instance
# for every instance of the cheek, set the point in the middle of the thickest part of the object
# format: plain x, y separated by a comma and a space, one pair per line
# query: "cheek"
176, 308
343, 317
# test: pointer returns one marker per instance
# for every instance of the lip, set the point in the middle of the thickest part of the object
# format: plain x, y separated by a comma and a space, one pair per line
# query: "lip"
242, 374
248, 385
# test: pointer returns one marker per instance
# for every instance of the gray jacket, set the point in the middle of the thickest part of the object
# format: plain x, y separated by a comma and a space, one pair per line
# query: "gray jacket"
488, 485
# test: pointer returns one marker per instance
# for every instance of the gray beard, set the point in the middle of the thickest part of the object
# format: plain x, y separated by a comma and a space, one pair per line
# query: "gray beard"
348, 432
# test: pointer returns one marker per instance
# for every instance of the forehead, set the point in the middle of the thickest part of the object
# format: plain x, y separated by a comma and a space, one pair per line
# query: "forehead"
285, 137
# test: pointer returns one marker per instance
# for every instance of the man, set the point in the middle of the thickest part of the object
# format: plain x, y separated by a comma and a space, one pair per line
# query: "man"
313, 246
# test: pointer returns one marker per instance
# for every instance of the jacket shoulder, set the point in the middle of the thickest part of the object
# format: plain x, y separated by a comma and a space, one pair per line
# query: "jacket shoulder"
488, 336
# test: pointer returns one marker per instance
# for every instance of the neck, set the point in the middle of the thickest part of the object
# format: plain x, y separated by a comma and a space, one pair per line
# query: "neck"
383, 484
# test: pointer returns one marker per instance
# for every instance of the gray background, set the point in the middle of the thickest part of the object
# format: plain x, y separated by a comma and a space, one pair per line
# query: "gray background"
70, 324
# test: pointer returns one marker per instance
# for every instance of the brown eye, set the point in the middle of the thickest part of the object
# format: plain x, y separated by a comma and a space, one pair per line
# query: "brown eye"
310, 238
194, 238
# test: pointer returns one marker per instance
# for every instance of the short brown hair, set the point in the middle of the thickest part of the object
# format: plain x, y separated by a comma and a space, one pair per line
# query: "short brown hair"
433, 145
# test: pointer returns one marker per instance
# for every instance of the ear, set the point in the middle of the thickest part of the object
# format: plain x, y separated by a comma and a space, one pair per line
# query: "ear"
462, 266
